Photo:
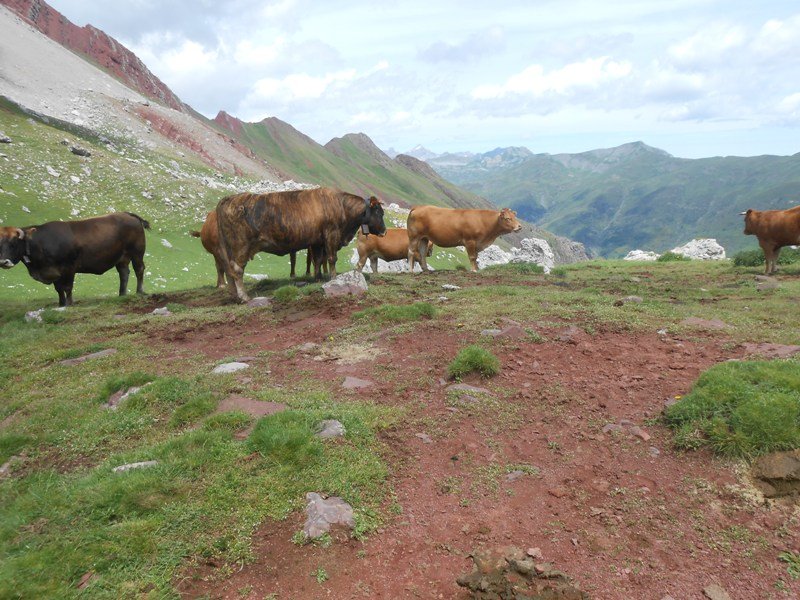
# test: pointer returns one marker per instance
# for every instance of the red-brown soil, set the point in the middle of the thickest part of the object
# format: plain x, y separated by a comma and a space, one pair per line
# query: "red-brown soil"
624, 517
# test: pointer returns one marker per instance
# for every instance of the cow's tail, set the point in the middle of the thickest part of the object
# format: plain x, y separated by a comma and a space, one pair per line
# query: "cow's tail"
144, 223
194, 233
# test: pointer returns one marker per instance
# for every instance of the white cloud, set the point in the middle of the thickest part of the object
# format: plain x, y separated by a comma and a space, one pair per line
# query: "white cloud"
535, 81
252, 54
708, 46
299, 85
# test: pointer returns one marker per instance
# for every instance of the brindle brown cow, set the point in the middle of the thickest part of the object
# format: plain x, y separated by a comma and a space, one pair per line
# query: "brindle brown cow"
393, 246
54, 252
209, 237
774, 229
475, 229
322, 219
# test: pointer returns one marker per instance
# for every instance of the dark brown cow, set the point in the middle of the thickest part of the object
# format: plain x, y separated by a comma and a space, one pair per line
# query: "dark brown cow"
475, 229
322, 219
393, 246
774, 230
56, 251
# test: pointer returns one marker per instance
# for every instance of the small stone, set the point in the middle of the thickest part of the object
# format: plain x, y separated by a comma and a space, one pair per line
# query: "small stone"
465, 387
137, 465
92, 356
4, 139
558, 492
34, 316
514, 475
443, 298
351, 383
491, 332
230, 367
77, 150
330, 428
426, 439
535, 553
162, 312
449, 287
715, 592
321, 513
349, 283
513, 332
308, 347
260, 302
52, 172
653, 451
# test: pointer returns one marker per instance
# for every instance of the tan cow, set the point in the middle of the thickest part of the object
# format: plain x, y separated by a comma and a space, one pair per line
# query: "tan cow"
475, 229
393, 246
774, 230
209, 237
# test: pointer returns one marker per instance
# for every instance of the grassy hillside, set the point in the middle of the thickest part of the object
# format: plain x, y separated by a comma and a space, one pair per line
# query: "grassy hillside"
635, 196
171, 192
351, 163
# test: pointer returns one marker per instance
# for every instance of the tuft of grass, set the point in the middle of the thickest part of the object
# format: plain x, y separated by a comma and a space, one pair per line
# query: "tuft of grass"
792, 560
116, 383
755, 258
191, 411
471, 359
741, 409
286, 438
396, 313
286, 294
671, 257
227, 421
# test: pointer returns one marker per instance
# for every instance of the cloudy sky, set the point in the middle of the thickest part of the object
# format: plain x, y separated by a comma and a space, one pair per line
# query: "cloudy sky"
694, 77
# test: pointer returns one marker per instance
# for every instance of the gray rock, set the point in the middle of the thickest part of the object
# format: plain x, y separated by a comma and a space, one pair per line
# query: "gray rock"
162, 312
321, 513
767, 285
536, 251
778, 474
491, 332
330, 428
230, 367
351, 383
79, 151
449, 287
492, 255
465, 387
426, 439
701, 249
92, 356
629, 299
715, 592
641, 255
350, 283
308, 348
260, 302
4, 139
137, 465
117, 398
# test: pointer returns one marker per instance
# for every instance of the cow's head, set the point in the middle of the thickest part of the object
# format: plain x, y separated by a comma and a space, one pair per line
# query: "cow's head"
508, 221
372, 221
12, 246
749, 221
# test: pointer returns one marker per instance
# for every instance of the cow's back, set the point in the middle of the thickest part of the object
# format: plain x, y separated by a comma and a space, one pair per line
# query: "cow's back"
392, 246
448, 227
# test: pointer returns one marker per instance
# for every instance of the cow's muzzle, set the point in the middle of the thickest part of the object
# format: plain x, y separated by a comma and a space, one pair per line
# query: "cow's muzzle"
6, 263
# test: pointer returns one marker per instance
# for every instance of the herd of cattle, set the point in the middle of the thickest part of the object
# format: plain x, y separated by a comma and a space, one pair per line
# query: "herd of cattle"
320, 220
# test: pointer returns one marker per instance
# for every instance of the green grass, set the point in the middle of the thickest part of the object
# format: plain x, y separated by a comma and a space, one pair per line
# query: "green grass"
671, 257
287, 439
395, 313
755, 258
287, 293
741, 409
473, 359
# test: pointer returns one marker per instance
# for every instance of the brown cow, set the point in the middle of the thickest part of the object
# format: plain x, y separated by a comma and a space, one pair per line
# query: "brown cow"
322, 219
209, 237
475, 229
774, 229
393, 246
55, 251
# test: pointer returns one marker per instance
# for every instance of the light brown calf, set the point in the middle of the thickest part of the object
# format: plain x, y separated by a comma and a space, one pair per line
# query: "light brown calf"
475, 229
393, 246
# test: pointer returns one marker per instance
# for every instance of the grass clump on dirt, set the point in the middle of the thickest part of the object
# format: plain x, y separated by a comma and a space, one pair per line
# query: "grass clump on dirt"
286, 294
741, 409
474, 359
396, 313
286, 438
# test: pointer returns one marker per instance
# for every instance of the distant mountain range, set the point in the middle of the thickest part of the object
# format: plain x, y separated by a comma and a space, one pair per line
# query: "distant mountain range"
632, 196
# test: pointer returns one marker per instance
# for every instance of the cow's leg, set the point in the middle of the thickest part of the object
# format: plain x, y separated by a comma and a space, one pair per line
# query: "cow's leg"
235, 275
767, 248
472, 253
292, 262
373, 262
124, 272
362, 260
138, 269
316, 255
220, 272
331, 262
309, 261
776, 254
420, 250
64, 289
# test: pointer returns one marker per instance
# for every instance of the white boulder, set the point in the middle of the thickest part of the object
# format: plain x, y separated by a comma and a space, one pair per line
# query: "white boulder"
534, 250
351, 282
701, 249
493, 255
641, 255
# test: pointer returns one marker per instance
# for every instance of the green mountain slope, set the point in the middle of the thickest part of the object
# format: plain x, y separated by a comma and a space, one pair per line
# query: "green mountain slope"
352, 163
635, 196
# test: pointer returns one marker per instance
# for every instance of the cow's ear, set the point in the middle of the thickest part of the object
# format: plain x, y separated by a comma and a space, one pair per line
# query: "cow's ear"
373, 201
20, 233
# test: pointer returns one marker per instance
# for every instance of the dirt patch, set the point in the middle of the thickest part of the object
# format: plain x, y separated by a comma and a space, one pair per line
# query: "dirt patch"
529, 465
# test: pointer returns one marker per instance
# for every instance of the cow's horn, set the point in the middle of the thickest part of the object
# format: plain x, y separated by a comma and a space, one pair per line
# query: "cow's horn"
741, 214
21, 233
